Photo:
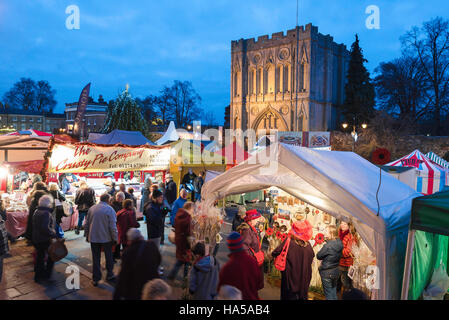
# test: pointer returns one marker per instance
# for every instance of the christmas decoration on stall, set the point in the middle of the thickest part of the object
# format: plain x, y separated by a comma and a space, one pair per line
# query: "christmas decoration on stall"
206, 224
381, 156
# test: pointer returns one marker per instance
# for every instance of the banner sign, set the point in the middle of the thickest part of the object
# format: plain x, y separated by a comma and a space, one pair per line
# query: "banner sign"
82, 105
319, 139
83, 158
290, 137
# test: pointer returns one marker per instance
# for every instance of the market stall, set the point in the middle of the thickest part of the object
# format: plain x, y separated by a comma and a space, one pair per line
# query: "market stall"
341, 184
189, 159
430, 177
426, 268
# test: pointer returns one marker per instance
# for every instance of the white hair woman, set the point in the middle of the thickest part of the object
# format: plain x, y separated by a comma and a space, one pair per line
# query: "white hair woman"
43, 235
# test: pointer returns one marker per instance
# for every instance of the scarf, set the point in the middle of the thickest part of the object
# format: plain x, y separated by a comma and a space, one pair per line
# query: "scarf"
342, 234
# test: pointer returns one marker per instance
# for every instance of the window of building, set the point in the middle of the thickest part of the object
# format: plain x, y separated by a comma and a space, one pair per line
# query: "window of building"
285, 73
258, 76
24, 119
14, 118
39, 119
278, 80
30, 119
24, 126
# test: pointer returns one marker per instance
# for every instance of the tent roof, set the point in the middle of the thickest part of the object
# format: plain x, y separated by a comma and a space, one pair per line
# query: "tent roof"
233, 153
33, 166
170, 135
30, 132
431, 213
437, 159
418, 160
342, 184
130, 138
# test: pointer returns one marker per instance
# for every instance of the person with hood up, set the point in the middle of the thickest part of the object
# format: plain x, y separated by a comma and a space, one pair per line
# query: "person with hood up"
241, 271
330, 254
204, 274
179, 203
296, 277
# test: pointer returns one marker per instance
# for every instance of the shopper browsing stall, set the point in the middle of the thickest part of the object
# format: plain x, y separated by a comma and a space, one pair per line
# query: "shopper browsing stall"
348, 237
251, 239
84, 199
179, 203
297, 271
126, 219
330, 255
39, 190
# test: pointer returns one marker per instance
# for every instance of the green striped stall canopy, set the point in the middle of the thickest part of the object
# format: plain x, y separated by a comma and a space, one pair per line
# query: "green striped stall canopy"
437, 159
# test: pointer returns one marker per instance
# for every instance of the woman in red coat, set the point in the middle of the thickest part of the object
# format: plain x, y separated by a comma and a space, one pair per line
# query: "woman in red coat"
348, 237
183, 230
250, 238
126, 219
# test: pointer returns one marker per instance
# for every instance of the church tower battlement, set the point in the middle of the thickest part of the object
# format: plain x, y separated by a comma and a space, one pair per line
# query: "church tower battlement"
275, 87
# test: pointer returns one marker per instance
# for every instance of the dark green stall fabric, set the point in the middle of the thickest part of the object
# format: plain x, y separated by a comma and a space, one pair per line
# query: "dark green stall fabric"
429, 251
431, 213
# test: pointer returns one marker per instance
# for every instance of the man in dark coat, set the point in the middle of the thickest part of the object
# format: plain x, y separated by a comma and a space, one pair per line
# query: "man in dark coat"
39, 190
171, 190
43, 234
155, 217
241, 271
298, 271
198, 185
140, 263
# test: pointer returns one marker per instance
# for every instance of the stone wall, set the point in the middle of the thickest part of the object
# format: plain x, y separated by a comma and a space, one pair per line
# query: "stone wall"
398, 146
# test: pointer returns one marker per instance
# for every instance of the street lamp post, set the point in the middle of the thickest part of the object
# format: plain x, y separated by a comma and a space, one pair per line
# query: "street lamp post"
354, 133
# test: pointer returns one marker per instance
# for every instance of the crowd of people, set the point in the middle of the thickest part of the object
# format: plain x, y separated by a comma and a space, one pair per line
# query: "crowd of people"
110, 226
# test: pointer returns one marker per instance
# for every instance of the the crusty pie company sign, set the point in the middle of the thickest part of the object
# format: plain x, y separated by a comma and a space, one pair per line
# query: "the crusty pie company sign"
91, 158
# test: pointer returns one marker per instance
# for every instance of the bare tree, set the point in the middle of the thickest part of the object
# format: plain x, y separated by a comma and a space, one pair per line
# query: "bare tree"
185, 102
209, 118
401, 88
26, 94
431, 46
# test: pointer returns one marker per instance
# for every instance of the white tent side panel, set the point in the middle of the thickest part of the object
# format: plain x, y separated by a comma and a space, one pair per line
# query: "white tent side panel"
340, 183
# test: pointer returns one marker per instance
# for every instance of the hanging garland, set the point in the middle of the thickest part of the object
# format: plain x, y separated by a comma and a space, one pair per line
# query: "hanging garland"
44, 170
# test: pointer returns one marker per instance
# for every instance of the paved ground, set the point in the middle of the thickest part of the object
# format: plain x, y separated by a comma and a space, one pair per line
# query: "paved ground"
18, 283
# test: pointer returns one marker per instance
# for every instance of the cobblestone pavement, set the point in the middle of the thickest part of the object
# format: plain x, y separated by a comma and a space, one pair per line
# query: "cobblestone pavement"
18, 273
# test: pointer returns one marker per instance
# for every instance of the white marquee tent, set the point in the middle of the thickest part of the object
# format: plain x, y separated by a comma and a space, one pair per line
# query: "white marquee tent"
340, 183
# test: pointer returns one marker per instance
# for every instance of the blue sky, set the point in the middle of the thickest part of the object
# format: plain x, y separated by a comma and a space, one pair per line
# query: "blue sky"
150, 43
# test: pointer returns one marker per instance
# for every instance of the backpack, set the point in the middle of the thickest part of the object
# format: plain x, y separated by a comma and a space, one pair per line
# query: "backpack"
259, 255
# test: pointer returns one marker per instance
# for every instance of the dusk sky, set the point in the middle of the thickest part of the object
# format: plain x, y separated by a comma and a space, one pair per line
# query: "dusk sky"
148, 44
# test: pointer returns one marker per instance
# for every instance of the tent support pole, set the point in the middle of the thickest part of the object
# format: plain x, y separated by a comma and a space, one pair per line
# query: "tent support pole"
408, 264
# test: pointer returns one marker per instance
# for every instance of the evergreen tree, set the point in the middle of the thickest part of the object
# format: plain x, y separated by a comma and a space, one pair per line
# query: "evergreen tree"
125, 114
359, 90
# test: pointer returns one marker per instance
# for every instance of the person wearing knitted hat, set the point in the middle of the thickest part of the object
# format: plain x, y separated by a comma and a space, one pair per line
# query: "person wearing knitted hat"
298, 268
251, 240
242, 270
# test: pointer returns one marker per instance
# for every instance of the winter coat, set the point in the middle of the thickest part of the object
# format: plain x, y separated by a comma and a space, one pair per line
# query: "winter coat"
204, 278
250, 238
4, 246
183, 230
126, 219
330, 253
171, 191
117, 205
155, 220
84, 199
35, 196
241, 271
101, 224
43, 225
298, 268
58, 212
236, 222
145, 198
179, 203
198, 184
140, 264
346, 259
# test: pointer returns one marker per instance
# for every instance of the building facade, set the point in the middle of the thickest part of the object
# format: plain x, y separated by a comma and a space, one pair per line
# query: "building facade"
94, 117
19, 119
287, 84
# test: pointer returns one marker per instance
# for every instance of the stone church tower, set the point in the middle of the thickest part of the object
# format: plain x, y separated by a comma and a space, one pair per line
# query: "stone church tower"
267, 93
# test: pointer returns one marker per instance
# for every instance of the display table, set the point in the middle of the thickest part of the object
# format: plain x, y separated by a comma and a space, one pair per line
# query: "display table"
16, 222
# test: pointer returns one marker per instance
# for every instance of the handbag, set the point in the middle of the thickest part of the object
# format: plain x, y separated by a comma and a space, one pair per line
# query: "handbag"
171, 236
57, 250
259, 255
281, 260
67, 207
